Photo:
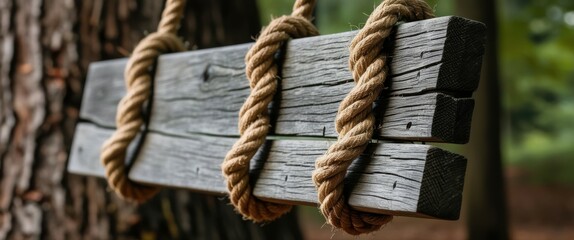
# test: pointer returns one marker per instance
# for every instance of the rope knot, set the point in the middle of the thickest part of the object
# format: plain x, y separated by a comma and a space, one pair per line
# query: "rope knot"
129, 113
260, 56
355, 120
262, 72
260, 66
146, 53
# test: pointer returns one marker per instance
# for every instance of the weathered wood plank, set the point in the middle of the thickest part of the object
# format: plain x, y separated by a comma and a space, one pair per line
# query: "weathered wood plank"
432, 116
399, 179
413, 179
202, 91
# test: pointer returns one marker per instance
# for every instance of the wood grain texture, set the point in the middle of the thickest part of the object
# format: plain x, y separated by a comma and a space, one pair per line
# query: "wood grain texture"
399, 179
434, 66
202, 91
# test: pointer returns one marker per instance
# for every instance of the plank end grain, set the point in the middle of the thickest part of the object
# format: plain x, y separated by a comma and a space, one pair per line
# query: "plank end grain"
443, 182
431, 117
434, 183
452, 119
462, 57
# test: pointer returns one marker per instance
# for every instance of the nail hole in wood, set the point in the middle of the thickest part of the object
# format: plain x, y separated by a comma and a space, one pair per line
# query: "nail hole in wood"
286, 177
206, 73
395, 185
409, 125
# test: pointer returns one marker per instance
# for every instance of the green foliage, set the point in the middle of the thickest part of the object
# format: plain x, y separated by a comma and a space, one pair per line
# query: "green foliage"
339, 15
537, 77
268, 9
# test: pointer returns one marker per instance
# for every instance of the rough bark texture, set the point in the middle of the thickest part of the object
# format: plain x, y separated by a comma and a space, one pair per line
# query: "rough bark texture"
45, 49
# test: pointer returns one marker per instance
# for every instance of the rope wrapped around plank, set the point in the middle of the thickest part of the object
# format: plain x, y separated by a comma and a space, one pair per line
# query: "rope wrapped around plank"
138, 87
354, 121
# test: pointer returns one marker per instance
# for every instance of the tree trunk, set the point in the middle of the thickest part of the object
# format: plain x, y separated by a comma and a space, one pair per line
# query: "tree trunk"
485, 195
45, 49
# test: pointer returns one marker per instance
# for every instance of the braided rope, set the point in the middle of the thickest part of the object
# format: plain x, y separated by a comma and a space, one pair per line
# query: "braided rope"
303, 8
355, 120
262, 72
129, 113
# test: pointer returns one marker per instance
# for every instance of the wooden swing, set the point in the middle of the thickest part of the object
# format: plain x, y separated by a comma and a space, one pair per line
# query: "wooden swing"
434, 67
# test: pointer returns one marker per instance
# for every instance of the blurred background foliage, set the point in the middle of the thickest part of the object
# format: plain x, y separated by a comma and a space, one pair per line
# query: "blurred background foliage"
536, 52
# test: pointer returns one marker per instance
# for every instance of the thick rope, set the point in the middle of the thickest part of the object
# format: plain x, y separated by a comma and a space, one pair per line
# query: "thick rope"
262, 72
304, 8
355, 120
129, 113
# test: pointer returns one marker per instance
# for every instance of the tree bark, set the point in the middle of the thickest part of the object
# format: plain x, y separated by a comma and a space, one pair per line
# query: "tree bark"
45, 49
485, 197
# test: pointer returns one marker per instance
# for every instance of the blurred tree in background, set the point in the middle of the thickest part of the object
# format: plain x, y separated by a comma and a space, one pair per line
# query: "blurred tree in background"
537, 67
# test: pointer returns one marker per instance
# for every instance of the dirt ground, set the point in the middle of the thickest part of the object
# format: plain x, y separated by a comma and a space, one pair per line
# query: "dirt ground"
536, 212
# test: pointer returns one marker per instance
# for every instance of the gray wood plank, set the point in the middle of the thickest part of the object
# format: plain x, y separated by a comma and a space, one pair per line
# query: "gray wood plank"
389, 178
202, 91
399, 179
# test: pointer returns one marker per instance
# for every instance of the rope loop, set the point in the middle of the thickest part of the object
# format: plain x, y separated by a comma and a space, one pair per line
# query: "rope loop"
262, 72
355, 120
129, 113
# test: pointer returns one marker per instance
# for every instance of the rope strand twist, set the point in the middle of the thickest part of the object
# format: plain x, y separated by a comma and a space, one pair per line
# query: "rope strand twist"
355, 120
129, 113
262, 72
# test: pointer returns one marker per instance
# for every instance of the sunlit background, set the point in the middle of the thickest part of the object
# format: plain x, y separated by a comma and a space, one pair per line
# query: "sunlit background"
536, 79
